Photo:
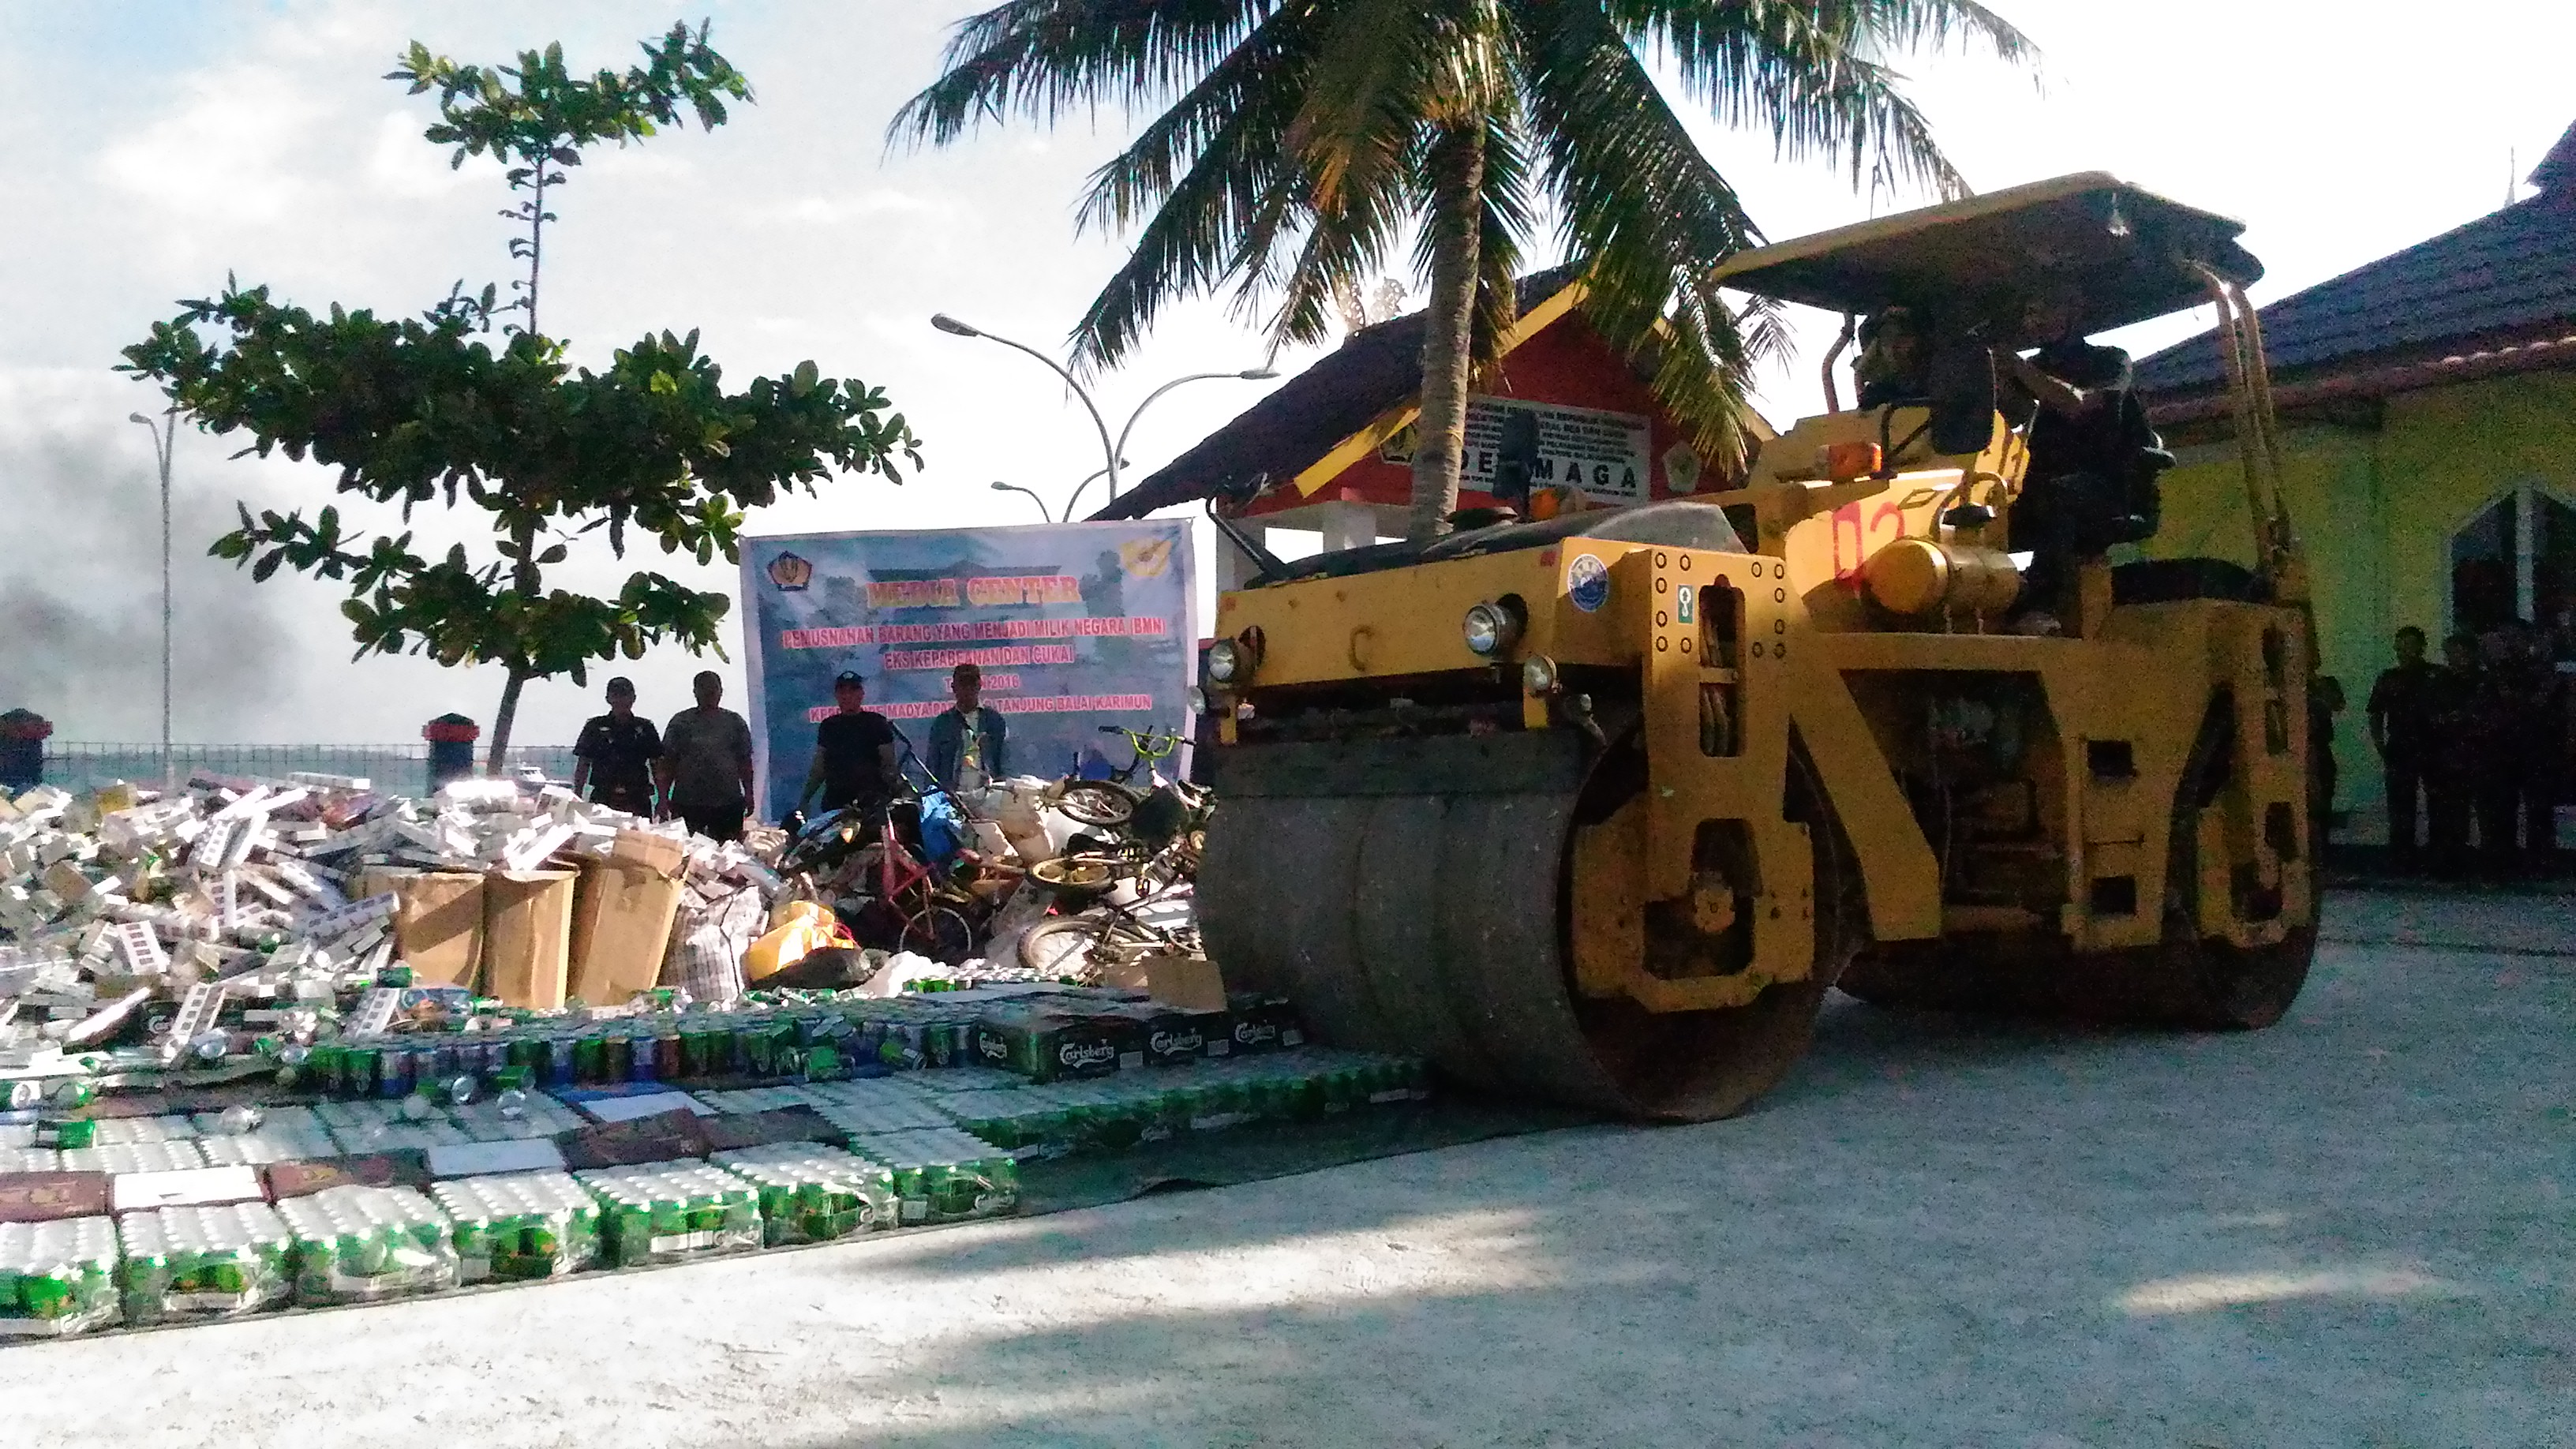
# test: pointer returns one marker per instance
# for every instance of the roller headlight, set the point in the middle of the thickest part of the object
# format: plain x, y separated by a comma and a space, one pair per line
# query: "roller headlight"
1538, 674
1226, 663
1198, 700
1491, 629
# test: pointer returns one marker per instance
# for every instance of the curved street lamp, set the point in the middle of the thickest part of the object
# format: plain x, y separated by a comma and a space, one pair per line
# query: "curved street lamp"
1113, 453
1031, 495
165, 437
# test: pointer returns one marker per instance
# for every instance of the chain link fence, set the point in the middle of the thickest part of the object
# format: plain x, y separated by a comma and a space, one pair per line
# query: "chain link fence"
78, 765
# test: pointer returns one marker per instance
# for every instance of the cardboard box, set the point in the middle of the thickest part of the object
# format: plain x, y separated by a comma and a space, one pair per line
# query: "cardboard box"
621, 928
1265, 1024
438, 921
1191, 983
651, 851
527, 936
1173, 1037
1047, 1046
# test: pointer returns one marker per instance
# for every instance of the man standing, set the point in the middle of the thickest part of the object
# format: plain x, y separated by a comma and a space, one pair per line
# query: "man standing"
2451, 756
2401, 729
856, 764
967, 740
705, 767
616, 752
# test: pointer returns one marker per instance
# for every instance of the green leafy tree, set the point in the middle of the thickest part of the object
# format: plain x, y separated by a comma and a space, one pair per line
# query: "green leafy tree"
1298, 143
430, 411
536, 116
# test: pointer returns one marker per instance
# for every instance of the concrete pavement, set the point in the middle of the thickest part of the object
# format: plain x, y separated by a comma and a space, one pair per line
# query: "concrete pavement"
2358, 1228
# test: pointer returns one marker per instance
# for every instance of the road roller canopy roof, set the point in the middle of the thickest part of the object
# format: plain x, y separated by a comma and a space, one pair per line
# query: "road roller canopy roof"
2110, 252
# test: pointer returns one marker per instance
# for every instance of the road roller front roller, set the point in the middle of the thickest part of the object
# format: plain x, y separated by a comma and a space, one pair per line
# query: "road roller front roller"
1597, 807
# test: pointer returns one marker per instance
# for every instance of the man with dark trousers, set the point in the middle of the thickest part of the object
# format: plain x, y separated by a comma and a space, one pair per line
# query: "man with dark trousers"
615, 754
705, 770
2402, 704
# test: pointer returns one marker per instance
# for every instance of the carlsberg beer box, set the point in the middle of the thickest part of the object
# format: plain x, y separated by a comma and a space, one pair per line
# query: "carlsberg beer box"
1047, 1045
1264, 1023
1172, 1037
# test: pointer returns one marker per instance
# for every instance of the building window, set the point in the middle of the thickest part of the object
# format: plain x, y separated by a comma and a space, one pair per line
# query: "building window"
2515, 559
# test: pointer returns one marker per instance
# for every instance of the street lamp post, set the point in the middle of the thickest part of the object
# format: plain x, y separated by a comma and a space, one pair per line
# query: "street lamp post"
1043, 511
164, 441
1113, 453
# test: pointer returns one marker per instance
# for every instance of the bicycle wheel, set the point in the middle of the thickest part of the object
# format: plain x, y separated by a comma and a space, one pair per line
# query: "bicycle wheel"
940, 933
1060, 947
1092, 802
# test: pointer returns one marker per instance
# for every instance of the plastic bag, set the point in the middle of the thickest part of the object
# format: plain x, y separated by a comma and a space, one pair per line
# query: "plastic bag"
807, 928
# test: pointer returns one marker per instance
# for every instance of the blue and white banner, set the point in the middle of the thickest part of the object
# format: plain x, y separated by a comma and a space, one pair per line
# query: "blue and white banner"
1075, 625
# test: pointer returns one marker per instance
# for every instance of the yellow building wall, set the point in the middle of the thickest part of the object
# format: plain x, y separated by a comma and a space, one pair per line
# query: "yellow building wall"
2376, 510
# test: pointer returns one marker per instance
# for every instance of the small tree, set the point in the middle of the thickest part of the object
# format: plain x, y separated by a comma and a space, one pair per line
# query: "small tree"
536, 116
425, 410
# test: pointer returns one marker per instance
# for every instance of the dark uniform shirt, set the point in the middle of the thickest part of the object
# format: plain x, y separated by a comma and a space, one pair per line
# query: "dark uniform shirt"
621, 753
2404, 702
853, 771
2101, 441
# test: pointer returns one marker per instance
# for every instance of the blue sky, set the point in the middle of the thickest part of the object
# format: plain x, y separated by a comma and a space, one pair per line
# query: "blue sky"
153, 148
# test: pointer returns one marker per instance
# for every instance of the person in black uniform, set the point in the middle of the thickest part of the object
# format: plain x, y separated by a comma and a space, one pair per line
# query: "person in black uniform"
2402, 704
855, 756
2094, 458
616, 752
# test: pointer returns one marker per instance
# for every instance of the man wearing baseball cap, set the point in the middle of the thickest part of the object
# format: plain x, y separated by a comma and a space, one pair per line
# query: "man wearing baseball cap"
615, 754
855, 756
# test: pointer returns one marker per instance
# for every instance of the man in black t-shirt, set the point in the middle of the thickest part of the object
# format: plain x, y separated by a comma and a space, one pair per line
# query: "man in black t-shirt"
2402, 706
855, 760
616, 752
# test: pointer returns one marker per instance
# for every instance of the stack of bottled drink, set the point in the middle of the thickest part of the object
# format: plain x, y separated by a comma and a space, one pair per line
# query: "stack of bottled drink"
671, 1212
251, 1136
810, 1193
520, 1225
134, 1157
57, 1278
187, 1262
30, 1159
358, 1244
943, 1175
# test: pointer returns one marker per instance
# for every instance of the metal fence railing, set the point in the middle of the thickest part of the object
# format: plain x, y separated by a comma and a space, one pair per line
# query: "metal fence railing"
78, 765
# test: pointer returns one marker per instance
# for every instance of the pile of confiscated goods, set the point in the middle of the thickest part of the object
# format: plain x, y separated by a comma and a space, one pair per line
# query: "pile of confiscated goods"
248, 1065
1073, 879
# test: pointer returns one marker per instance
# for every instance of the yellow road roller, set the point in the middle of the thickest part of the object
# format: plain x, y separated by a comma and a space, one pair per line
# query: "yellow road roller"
1596, 808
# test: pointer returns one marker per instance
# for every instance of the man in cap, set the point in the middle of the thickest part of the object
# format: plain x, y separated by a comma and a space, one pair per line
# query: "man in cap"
855, 755
705, 769
616, 752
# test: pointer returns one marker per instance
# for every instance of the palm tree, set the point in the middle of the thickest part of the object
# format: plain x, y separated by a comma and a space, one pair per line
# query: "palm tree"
1302, 138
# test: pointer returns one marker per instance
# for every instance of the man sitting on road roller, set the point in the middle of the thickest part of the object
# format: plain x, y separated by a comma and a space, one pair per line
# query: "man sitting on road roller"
2094, 458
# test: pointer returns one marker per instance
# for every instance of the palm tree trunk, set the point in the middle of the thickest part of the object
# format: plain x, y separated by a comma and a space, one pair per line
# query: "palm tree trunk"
1440, 435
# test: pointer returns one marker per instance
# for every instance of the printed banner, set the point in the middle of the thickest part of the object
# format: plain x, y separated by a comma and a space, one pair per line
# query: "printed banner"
1074, 625
1600, 454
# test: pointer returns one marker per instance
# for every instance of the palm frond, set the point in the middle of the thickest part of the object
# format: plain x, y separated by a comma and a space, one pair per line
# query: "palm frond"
1808, 74
1044, 58
1643, 210
1507, 210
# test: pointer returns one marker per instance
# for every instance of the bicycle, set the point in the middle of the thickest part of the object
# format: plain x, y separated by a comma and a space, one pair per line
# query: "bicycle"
1169, 807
